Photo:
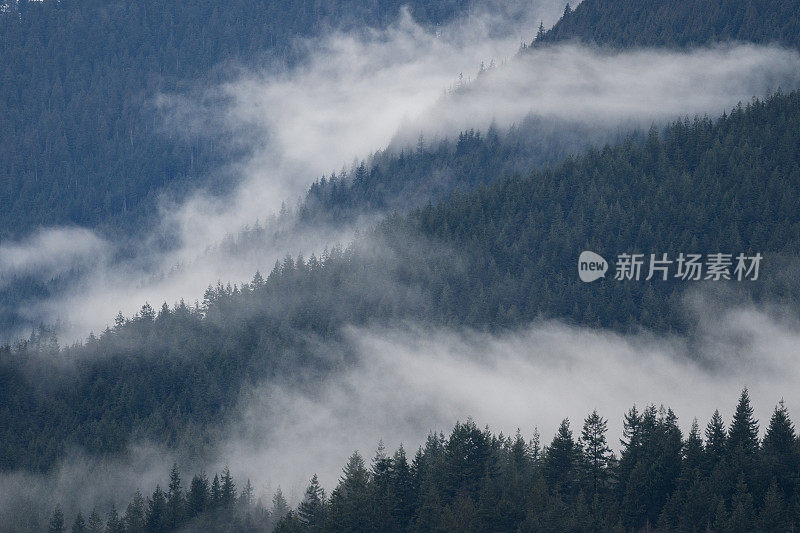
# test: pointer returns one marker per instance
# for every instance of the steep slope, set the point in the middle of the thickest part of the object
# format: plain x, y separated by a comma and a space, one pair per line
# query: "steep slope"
501, 256
678, 23
82, 141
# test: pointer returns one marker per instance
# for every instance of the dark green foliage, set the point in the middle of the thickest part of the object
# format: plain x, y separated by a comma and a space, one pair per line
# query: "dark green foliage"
678, 23
83, 140
473, 480
311, 511
95, 523
596, 453
135, 514
114, 524
56, 521
79, 525
199, 496
500, 257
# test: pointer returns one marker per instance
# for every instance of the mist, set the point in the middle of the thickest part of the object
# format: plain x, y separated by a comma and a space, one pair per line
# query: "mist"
355, 94
411, 380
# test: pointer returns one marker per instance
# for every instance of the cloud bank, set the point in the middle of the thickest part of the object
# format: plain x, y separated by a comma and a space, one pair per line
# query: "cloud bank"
354, 94
412, 380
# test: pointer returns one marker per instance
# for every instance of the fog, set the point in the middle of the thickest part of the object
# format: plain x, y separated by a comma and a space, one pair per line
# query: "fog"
354, 94
411, 380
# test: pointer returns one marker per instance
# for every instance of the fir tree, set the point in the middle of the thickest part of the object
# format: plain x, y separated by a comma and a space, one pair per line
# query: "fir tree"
175, 499
312, 509
135, 514
596, 452
95, 523
56, 521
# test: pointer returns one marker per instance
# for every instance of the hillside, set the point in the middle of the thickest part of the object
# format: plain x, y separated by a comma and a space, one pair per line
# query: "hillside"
502, 256
474, 480
677, 23
83, 141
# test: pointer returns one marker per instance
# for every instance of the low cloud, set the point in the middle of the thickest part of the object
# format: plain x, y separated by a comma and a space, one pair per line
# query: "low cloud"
412, 380
357, 93
50, 252
406, 381
633, 87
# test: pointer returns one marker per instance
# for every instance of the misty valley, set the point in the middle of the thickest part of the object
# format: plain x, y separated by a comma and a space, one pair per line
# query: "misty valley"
436, 265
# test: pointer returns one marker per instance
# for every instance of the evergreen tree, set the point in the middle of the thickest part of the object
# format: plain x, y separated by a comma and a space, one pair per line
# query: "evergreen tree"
774, 515
135, 514
312, 509
175, 500
216, 492
95, 523
246, 497
742, 516
279, 506
56, 521
562, 458
227, 489
156, 514
348, 508
780, 454
114, 524
716, 440
199, 496
742, 445
596, 453
79, 525
743, 433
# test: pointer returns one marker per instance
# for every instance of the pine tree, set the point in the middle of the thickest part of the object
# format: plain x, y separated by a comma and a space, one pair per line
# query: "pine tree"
774, 515
780, 454
216, 492
596, 452
743, 433
56, 521
348, 508
114, 524
156, 515
199, 496
716, 441
246, 497
79, 525
175, 501
403, 488
134, 514
692, 451
562, 459
227, 489
742, 514
312, 509
95, 523
743, 442
279, 506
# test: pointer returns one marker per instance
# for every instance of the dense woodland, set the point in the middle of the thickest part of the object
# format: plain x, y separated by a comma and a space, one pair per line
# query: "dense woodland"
82, 140
677, 23
477, 239
722, 479
475, 260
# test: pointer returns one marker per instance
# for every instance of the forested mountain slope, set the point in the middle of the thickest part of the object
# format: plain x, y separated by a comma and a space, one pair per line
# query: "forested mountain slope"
504, 255
678, 23
82, 141
719, 479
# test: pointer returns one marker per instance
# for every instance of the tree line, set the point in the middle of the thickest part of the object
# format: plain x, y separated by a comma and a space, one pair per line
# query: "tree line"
500, 257
721, 479
676, 23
